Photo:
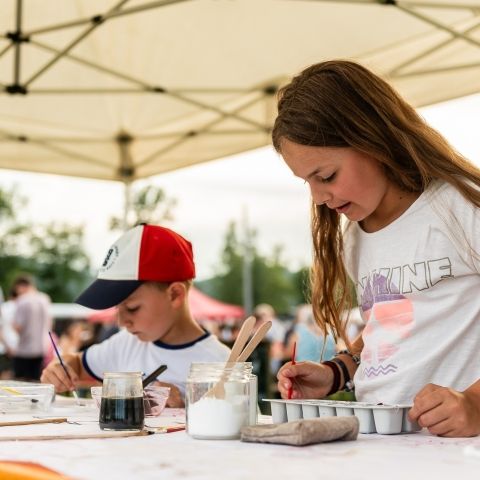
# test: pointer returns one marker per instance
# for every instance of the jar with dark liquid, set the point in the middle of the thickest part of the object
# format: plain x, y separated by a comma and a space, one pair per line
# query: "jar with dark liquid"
122, 407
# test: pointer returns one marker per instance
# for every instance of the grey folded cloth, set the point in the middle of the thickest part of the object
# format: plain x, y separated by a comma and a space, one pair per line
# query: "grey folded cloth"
303, 432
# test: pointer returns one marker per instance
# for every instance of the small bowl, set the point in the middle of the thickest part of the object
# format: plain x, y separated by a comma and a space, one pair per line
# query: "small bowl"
154, 399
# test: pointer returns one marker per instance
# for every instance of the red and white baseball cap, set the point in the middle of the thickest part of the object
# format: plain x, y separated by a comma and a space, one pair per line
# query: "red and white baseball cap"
146, 253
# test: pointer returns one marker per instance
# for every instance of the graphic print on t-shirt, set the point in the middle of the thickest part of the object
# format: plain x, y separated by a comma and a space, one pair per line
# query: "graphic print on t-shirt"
389, 316
389, 313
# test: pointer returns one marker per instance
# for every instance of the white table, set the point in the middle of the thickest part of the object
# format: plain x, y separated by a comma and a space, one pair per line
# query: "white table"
176, 455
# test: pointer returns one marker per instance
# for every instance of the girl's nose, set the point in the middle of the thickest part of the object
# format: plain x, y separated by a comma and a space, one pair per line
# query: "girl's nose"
320, 194
321, 198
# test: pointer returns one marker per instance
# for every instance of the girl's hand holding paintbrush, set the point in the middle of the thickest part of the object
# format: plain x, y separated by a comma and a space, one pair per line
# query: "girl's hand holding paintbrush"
304, 380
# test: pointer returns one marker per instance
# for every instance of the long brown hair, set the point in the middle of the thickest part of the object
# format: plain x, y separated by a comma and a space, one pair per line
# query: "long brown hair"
340, 103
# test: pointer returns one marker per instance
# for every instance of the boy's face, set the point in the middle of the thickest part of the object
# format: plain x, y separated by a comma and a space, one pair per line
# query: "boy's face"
148, 313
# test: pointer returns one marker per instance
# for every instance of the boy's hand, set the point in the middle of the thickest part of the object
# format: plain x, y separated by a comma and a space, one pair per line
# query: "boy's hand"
446, 412
307, 380
175, 399
55, 374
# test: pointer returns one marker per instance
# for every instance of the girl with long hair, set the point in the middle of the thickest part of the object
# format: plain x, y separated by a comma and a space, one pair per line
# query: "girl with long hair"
395, 209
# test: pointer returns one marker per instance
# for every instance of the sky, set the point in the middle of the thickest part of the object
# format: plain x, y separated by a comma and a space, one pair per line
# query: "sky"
254, 187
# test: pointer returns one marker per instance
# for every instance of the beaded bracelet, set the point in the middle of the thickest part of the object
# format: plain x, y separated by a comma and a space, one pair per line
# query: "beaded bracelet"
355, 358
336, 376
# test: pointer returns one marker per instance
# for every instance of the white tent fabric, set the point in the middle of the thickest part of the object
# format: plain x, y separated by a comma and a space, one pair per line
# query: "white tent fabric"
122, 90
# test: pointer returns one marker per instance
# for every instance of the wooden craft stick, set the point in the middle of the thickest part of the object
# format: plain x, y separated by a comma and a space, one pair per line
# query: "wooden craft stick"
140, 433
218, 390
32, 421
255, 340
242, 338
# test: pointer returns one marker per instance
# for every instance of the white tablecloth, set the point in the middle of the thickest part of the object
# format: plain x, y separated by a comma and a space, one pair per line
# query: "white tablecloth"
176, 455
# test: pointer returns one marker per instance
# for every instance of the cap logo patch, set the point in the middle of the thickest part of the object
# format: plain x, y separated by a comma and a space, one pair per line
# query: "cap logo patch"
110, 258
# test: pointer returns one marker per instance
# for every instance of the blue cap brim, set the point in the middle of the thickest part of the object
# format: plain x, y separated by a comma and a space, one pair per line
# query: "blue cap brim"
103, 294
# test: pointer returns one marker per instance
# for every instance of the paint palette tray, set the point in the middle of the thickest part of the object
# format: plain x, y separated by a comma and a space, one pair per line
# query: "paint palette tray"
18, 397
382, 419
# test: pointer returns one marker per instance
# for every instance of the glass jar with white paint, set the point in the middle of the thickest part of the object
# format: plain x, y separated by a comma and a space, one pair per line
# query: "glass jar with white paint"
218, 399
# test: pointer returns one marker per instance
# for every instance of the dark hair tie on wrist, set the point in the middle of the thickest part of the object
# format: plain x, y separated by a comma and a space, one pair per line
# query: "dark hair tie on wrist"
336, 376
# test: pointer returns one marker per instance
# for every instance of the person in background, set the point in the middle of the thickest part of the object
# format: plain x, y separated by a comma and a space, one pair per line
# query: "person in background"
264, 312
147, 274
31, 321
311, 344
8, 336
397, 210
73, 337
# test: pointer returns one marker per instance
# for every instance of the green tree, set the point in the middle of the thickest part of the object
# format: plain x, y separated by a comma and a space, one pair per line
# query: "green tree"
273, 283
228, 281
301, 283
60, 266
150, 204
52, 253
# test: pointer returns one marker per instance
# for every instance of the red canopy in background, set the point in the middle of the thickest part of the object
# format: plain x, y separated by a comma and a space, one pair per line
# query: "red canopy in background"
202, 306
108, 315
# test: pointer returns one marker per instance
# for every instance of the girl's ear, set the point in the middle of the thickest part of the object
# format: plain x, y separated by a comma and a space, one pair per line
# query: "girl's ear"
177, 292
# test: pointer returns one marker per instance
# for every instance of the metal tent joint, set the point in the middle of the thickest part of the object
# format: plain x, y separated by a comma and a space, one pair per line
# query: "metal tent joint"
97, 19
270, 90
17, 37
126, 173
16, 89
124, 138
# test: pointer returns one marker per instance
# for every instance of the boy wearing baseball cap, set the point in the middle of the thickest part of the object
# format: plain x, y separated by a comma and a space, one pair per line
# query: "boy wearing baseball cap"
147, 274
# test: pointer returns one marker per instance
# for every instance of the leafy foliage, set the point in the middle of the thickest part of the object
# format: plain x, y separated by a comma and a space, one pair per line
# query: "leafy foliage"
52, 253
272, 281
150, 204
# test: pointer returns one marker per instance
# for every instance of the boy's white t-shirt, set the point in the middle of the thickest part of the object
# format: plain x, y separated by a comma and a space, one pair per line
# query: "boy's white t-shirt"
124, 352
418, 288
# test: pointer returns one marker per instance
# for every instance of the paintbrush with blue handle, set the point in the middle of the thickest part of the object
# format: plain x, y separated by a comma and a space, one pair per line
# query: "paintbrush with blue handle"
63, 366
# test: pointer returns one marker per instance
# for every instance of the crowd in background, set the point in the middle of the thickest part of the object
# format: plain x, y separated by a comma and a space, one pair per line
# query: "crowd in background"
277, 348
25, 347
25, 321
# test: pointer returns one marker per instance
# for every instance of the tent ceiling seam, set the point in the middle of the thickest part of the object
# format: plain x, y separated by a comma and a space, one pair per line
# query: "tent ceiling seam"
188, 135
71, 155
149, 88
453, 6
106, 16
107, 140
6, 49
217, 110
438, 25
17, 55
430, 71
427, 52
72, 44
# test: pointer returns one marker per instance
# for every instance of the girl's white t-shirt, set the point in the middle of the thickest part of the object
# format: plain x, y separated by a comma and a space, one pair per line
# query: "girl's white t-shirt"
418, 289
124, 352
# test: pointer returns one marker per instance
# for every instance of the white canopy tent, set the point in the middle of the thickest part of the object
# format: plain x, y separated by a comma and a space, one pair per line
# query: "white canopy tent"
122, 90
